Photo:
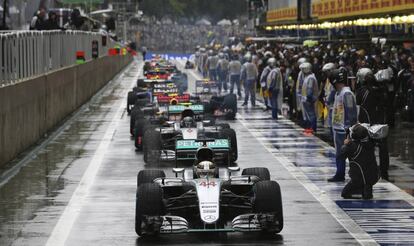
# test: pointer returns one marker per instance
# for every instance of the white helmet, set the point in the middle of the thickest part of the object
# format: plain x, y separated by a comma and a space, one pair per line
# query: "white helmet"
328, 67
248, 57
362, 74
301, 60
206, 169
221, 55
271, 62
268, 54
305, 67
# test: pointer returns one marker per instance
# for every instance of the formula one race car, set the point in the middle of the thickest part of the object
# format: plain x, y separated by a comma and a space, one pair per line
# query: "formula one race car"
163, 143
225, 107
206, 199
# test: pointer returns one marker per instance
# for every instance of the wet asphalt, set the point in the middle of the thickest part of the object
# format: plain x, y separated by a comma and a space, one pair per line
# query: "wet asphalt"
79, 187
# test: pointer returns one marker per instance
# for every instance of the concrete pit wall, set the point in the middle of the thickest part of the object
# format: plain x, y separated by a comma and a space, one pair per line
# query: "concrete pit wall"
33, 107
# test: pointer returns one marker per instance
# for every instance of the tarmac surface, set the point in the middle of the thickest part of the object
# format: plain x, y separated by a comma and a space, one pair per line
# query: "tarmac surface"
78, 186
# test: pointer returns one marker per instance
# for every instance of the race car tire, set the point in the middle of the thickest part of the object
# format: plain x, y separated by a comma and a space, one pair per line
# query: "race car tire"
261, 172
136, 113
130, 101
148, 175
141, 102
152, 146
268, 199
140, 83
139, 129
149, 202
230, 134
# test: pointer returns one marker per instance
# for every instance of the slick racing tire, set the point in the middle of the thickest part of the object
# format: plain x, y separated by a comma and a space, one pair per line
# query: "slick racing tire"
139, 129
152, 146
230, 134
230, 102
136, 113
261, 172
148, 175
130, 101
268, 199
140, 83
148, 203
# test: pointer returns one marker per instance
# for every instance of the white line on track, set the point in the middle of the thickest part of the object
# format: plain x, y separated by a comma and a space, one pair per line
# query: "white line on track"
66, 221
349, 224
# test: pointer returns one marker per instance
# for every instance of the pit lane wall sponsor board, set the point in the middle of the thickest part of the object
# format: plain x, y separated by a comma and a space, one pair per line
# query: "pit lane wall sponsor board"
334, 9
329, 9
192, 144
176, 109
168, 56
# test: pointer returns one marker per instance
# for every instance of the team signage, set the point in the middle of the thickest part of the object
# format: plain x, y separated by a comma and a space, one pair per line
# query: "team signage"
192, 144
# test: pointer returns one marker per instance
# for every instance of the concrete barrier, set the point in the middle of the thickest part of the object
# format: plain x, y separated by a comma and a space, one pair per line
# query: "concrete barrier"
33, 107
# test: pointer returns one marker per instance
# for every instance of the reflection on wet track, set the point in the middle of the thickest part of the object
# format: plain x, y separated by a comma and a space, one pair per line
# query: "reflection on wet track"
33, 202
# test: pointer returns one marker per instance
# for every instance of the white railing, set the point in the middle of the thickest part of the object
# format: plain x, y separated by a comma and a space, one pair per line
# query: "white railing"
25, 54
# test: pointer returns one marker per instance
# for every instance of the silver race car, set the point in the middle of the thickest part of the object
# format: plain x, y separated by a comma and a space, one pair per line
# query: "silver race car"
205, 198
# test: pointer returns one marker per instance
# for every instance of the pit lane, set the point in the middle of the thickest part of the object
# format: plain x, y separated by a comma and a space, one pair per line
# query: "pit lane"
79, 189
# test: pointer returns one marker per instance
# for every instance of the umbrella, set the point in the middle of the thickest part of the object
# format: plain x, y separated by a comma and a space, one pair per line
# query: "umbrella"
224, 22
203, 22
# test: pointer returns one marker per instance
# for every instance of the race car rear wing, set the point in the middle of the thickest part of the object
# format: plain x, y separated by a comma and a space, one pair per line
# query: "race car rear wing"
186, 149
178, 109
205, 87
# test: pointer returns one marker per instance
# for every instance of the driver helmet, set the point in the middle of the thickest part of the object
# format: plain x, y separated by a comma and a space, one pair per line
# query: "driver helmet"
188, 122
206, 169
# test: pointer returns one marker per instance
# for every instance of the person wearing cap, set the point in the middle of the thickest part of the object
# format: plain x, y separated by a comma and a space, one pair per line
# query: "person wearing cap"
223, 72
275, 87
234, 74
309, 96
298, 90
328, 92
263, 82
344, 115
212, 64
363, 169
248, 77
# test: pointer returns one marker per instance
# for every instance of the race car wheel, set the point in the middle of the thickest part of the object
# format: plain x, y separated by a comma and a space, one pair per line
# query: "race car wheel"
230, 134
140, 83
136, 113
268, 199
139, 129
152, 146
130, 101
141, 102
148, 175
260, 172
148, 203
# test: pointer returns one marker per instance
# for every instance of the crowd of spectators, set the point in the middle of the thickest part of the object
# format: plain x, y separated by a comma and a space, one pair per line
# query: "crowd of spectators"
335, 86
173, 37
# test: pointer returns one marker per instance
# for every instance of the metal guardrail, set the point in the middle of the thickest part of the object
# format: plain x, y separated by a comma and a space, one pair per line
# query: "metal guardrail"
25, 54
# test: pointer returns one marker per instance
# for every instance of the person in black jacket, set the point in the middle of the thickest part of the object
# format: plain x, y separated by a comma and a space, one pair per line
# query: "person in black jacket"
363, 169
372, 100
